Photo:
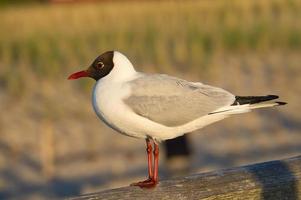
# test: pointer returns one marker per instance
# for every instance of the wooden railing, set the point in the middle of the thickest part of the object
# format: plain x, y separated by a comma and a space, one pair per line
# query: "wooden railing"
275, 180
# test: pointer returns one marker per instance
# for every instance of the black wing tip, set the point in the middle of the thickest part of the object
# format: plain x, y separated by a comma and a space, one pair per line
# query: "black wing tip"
240, 100
271, 96
280, 103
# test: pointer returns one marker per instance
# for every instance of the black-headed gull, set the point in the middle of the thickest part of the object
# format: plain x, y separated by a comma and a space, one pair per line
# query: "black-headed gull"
158, 107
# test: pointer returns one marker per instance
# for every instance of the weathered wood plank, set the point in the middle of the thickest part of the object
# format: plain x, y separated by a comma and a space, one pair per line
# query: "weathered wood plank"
273, 180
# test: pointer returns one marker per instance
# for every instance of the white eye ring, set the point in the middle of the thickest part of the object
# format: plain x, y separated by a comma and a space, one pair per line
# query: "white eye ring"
100, 65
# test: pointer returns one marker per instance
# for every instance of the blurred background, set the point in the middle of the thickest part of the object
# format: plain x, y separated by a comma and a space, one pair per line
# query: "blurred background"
51, 142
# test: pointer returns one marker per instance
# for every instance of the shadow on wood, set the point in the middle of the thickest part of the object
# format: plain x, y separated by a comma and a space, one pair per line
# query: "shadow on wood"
270, 180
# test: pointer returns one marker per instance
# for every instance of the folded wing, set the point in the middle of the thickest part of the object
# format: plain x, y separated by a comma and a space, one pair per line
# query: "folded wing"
174, 102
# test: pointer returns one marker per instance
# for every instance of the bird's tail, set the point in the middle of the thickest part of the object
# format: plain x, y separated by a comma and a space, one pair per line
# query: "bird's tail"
244, 104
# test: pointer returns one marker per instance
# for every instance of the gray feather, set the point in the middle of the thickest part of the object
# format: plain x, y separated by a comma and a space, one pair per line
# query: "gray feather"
173, 102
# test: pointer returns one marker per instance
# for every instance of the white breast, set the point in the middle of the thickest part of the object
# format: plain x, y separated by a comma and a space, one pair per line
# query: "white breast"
110, 108
107, 104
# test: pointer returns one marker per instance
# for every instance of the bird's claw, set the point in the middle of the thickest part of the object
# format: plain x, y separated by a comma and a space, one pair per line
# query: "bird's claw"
149, 183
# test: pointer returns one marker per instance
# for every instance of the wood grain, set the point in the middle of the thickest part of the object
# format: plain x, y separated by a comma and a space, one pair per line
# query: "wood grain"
273, 180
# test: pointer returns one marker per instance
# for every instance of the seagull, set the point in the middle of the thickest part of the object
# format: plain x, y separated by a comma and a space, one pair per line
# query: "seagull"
158, 107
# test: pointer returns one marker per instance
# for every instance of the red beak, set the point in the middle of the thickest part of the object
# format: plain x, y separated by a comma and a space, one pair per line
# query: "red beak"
77, 75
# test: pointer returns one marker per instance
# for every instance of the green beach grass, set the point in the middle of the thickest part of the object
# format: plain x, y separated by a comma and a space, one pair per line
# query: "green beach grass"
47, 40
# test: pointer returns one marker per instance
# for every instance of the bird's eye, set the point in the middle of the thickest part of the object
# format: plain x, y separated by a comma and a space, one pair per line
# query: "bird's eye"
100, 65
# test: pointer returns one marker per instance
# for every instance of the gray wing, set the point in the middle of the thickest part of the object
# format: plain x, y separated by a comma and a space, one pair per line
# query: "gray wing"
173, 102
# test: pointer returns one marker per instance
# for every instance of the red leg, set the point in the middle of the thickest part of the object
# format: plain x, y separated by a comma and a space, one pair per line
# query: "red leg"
152, 180
149, 149
156, 166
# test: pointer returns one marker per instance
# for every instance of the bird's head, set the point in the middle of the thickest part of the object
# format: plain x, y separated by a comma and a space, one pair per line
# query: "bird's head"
99, 68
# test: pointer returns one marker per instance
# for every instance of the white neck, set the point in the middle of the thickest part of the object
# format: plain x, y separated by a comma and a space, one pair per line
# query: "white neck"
123, 69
